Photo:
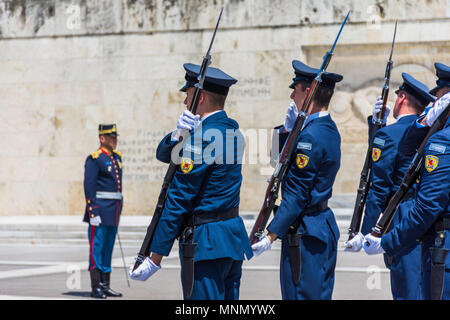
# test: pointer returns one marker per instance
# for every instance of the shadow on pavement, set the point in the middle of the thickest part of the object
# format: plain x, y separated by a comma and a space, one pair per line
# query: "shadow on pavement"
83, 294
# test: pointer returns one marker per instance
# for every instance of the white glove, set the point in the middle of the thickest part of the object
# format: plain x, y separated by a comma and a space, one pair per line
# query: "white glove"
377, 108
144, 271
372, 245
95, 221
355, 244
262, 245
291, 116
186, 121
437, 109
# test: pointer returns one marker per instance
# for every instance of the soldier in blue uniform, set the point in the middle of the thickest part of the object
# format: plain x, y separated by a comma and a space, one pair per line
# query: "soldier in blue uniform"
103, 192
387, 173
417, 131
204, 194
305, 191
429, 219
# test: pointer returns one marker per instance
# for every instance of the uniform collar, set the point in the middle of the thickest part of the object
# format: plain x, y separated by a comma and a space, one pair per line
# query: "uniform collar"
405, 116
316, 115
216, 115
105, 151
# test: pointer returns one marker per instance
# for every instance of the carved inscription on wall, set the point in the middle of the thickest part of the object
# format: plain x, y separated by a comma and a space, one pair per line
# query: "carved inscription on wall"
252, 88
139, 156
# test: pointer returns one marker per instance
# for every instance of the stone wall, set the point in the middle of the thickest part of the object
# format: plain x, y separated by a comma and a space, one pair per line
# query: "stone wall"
68, 65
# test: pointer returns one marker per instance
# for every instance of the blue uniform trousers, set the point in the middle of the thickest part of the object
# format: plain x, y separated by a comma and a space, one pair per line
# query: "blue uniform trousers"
404, 267
217, 279
317, 270
101, 244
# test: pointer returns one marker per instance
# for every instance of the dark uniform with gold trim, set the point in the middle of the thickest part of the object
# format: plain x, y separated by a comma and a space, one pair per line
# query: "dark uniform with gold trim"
103, 192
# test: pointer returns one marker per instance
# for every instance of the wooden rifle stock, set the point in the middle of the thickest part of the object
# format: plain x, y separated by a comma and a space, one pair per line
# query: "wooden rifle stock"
365, 176
285, 158
363, 190
280, 170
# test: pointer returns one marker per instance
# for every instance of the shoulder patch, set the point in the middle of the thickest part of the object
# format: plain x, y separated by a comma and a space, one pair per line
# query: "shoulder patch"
379, 142
301, 161
96, 154
431, 162
376, 154
437, 147
190, 148
304, 145
118, 153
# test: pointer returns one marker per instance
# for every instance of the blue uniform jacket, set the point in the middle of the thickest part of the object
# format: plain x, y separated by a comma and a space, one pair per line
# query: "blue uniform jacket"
103, 172
432, 198
310, 179
208, 180
387, 169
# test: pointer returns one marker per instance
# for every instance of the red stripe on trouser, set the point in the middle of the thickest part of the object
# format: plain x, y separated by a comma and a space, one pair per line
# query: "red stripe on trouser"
91, 250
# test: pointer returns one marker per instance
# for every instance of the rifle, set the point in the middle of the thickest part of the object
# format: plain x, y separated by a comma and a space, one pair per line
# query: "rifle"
364, 181
145, 247
285, 158
409, 179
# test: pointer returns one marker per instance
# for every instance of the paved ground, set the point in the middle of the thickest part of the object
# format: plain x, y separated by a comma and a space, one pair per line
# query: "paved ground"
56, 268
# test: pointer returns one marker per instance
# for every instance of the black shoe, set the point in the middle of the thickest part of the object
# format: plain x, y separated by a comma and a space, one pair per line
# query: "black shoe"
105, 286
97, 291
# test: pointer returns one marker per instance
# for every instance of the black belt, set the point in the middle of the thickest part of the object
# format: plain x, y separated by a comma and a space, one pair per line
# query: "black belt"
209, 217
322, 206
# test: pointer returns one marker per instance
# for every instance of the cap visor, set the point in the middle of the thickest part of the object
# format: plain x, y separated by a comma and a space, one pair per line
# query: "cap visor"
435, 90
292, 85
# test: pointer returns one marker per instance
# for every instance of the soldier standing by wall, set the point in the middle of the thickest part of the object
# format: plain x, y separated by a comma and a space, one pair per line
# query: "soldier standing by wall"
103, 192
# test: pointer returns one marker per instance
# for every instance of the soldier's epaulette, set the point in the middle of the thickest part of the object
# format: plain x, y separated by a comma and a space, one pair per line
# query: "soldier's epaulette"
118, 153
96, 154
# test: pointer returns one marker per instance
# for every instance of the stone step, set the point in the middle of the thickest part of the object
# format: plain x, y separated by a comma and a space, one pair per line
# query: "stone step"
47, 229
